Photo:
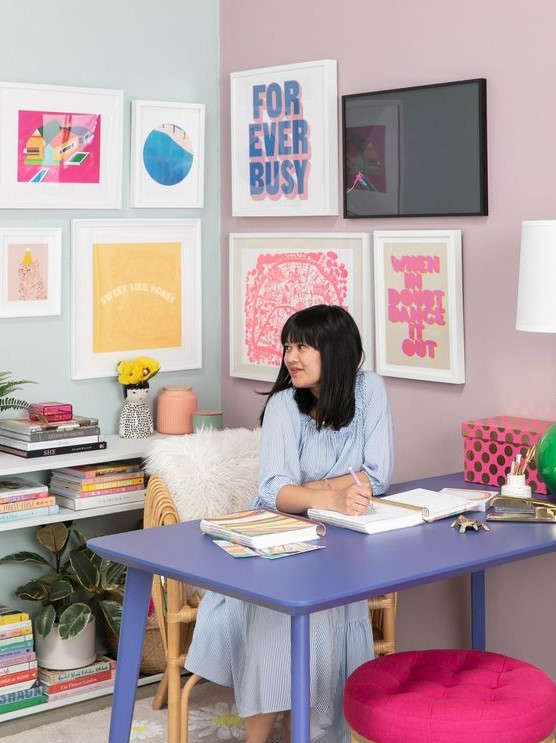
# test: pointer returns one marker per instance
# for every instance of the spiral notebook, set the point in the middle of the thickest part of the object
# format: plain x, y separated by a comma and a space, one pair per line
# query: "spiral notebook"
410, 508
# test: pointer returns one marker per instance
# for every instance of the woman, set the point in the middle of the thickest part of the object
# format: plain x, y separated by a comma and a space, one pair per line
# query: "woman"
322, 418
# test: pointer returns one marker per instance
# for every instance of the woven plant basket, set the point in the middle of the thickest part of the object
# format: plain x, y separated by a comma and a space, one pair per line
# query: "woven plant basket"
153, 659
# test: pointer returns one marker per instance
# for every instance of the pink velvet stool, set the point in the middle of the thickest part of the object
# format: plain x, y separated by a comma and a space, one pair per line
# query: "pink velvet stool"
450, 696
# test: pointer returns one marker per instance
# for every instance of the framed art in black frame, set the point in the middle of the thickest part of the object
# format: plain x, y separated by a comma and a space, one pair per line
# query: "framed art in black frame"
416, 152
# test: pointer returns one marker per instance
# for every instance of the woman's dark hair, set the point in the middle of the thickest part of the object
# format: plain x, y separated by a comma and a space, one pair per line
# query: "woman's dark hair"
333, 332
144, 385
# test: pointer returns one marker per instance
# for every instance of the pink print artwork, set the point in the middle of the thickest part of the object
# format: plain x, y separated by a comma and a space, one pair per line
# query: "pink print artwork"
56, 147
281, 284
27, 272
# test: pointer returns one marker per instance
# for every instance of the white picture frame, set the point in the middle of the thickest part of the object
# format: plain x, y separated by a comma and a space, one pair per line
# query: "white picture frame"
135, 290
284, 140
419, 305
167, 155
30, 271
272, 275
60, 147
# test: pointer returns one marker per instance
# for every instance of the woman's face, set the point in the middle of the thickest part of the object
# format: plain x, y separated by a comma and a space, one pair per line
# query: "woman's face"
304, 365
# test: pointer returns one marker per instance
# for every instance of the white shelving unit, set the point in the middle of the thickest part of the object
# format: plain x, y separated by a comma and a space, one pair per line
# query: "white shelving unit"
116, 449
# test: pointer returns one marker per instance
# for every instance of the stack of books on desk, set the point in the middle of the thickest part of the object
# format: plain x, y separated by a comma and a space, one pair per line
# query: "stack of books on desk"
77, 681
22, 498
31, 438
94, 485
19, 685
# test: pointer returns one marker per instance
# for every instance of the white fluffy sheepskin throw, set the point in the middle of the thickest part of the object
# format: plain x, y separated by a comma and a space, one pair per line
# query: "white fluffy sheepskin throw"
209, 472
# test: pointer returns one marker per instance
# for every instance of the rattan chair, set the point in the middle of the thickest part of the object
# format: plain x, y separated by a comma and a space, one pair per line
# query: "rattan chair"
176, 609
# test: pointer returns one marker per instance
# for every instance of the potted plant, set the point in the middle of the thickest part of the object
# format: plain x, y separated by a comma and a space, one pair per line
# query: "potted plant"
7, 388
75, 582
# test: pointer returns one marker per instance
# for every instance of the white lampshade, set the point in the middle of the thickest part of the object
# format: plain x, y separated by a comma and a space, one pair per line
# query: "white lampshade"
536, 290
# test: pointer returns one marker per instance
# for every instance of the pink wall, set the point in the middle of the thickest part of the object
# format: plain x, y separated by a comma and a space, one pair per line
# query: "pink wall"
400, 43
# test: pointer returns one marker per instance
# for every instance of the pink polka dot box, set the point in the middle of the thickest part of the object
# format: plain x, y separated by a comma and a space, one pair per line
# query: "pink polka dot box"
491, 444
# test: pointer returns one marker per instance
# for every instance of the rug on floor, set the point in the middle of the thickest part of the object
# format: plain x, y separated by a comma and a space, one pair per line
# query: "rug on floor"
212, 717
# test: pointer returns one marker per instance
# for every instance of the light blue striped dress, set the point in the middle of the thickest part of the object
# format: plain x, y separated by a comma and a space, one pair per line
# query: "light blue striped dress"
247, 646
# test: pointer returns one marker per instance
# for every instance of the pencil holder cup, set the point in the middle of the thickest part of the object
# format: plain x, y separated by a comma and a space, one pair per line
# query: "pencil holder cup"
516, 486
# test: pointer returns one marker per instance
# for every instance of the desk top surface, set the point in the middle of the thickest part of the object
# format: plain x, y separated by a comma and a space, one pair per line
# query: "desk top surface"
352, 566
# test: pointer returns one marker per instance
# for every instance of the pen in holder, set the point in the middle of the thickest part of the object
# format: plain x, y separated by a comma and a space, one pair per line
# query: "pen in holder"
516, 486
515, 482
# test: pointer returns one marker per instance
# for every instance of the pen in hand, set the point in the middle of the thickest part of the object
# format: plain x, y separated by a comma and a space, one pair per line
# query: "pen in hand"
358, 482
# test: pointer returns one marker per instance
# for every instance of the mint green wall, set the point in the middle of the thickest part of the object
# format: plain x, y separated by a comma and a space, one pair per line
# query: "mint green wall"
165, 51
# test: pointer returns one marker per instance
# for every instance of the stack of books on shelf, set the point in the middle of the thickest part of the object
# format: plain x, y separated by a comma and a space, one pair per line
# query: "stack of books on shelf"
19, 685
36, 438
21, 498
76, 681
94, 485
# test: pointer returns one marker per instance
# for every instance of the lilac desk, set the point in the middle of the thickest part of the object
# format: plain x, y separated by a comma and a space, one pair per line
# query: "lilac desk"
352, 567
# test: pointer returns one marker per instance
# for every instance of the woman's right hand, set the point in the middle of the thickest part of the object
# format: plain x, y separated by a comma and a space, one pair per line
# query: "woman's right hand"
352, 500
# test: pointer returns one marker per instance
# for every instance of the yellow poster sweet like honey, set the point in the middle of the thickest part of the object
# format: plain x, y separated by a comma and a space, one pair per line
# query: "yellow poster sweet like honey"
137, 300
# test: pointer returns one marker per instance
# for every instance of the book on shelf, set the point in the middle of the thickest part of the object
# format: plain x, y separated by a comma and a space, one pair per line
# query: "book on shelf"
262, 527
101, 664
76, 683
8, 615
79, 691
19, 686
27, 427
17, 659
50, 435
16, 629
48, 452
82, 504
27, 497
94, 484
59, 489
21, 642
7, 697
15, 487
22, 703
27, 505
30, 513
54, 444
7, 681
87, 471
410, 508
17, 668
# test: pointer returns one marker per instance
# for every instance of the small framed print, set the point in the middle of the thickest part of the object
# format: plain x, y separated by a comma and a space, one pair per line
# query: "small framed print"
167, 155
60, 147
136, 289
285, 140
419, 305
30, 271
274, 275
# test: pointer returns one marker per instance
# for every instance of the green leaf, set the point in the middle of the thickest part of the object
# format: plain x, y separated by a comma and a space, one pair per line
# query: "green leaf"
85, 572
44, 621
35, 590
112, 574
61, 589
112, 612
54, 537
32, 557
73, 620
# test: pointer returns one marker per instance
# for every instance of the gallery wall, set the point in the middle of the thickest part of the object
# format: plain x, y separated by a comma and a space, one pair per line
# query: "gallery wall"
163, 53
380, 46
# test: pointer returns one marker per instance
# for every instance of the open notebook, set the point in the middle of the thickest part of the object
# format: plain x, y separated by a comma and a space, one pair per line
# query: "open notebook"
409, 508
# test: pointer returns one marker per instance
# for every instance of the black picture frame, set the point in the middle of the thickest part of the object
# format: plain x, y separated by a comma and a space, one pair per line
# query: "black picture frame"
416, 152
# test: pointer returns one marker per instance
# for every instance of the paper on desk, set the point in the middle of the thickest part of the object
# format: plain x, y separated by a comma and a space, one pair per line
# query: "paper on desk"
271, 553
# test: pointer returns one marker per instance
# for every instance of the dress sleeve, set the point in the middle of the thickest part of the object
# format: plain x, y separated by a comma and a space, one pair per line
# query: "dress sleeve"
378, 459
279, 451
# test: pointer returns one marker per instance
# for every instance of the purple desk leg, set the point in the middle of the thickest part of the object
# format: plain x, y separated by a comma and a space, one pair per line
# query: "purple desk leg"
134, 620
478, 610
300, 668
